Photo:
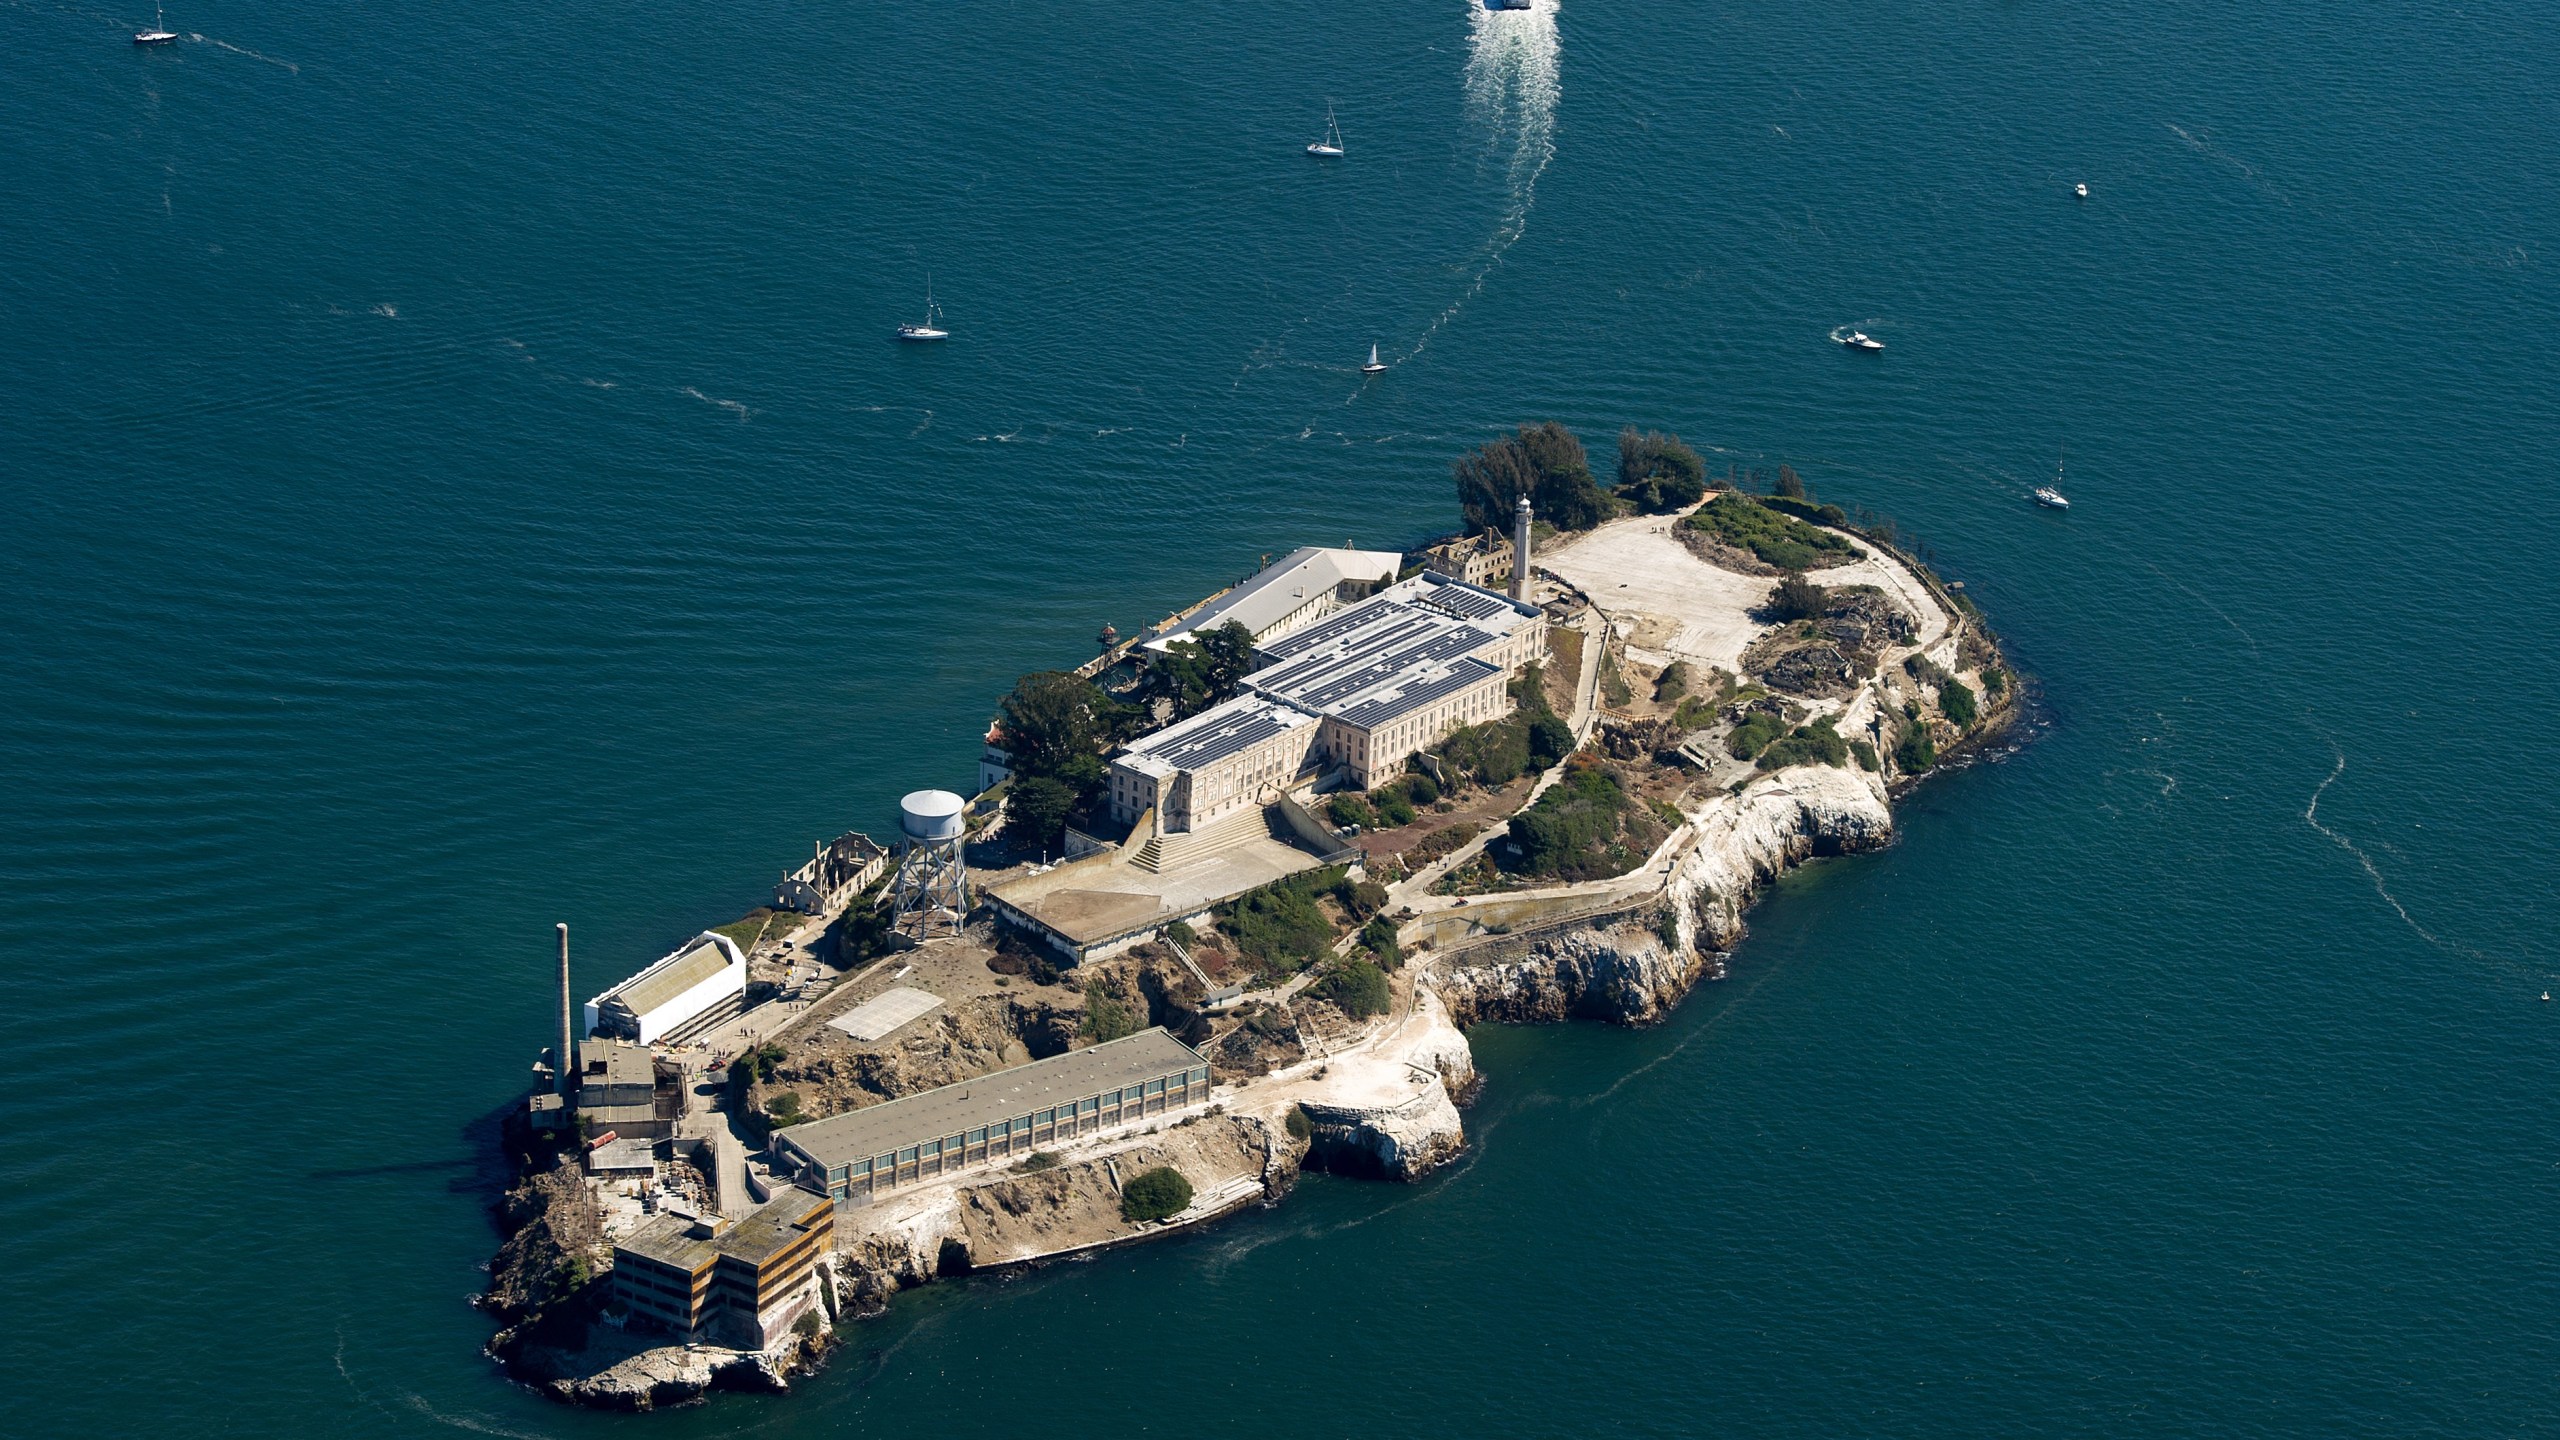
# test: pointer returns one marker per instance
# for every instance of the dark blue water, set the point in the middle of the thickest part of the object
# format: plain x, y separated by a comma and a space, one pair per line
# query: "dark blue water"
457, 478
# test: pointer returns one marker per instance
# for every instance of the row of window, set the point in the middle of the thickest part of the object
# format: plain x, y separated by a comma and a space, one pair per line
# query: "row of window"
1000, 1130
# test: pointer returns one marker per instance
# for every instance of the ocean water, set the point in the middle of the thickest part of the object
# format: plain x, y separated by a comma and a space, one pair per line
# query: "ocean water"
457, 478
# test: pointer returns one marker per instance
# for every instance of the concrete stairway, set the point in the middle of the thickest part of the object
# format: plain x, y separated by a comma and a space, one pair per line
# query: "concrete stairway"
1163, 853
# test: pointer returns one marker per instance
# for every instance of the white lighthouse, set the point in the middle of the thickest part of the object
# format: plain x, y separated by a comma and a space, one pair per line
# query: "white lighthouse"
1520, 550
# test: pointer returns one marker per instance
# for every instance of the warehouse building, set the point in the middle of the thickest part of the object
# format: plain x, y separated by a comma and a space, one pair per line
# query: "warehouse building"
876, 1151
702, 984
742, 1285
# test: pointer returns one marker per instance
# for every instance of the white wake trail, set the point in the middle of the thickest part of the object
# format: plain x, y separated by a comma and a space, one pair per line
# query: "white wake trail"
1512, 88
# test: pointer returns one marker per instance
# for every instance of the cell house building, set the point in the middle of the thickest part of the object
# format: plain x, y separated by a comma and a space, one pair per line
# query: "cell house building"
876, 1151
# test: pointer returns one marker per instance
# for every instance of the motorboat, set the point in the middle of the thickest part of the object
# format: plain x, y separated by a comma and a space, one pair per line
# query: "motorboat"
159, 33
1375, 365
1330, 147
931, 329
2081, 190
1859, 340
1501, 5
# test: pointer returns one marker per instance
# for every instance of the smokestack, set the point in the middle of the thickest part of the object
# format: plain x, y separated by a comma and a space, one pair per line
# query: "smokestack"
564, 1063
1520, 550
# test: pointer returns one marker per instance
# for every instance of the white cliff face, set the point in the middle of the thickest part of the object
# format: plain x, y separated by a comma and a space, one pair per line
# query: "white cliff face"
1388, 1107
1633, 967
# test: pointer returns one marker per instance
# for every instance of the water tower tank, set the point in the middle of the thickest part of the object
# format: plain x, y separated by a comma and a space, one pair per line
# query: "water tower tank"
932, 816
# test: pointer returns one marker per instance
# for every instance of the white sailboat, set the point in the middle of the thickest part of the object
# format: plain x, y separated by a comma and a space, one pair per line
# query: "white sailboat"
1330, 147
1375, 365
2050, 496
931, 329
159, 33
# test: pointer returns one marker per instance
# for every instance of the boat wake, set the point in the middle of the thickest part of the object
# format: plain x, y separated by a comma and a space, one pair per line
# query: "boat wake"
252, 54
1511, 90
735, 407
2311, 814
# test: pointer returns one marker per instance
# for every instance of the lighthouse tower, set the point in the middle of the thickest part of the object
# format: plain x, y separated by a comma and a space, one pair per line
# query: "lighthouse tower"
1520, 550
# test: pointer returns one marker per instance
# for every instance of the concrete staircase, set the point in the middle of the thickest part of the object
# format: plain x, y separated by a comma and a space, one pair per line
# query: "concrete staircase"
1164, 853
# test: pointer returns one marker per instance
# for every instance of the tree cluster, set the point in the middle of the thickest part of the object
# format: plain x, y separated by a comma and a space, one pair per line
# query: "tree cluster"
1203, 670
1544, 462
1056, 727
1657, 473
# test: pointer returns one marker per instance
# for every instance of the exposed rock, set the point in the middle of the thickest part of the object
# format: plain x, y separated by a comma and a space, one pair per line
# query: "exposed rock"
554, 1242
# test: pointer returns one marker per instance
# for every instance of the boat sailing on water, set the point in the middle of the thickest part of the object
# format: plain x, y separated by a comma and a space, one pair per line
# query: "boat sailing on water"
2050, 496
931, 329
1330, 147
1375, 365
1858, 340
159, 33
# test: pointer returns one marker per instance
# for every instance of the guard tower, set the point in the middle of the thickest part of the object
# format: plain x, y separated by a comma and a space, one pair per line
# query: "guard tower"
931, 894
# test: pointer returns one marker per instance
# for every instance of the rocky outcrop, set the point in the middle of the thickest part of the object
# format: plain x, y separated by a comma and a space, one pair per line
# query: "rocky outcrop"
1631, 966
1394, 1114
555, 1236
672, 1375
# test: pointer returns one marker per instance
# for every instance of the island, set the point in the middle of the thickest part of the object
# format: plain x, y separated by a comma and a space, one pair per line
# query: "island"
1223, 904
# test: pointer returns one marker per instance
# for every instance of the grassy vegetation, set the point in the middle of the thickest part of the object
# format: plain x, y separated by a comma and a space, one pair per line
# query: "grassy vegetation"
1755, 734
1867, 757
1613, 685
750, 927
1351, 808
1106, 1015
1441, 841
1781, 540
1672, 683
1159, 1194
1587, 827
1035, 1162
1359, 987
1814, 744
1378, 937
1279, 926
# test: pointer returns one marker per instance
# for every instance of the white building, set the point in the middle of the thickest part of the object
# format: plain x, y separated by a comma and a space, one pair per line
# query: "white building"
703, 983
1302, 588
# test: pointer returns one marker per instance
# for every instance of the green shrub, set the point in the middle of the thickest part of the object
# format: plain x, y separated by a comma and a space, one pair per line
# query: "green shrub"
1359, 987
1993, 682
1805, 509
1420, 788
1279, 925
1550, 739
1754, 735
808, 1326
1657, 473
1106, 1015
1379, 936
1585, 827
1159, 1194
1672, 684
1182, 934
1393, 808
1925, 670
1955, 701
1866, 753
1035, 1162
1298, 1125
1780, 540
1814, 744
1360, 899
1795, 598
1916, 752
1351, 808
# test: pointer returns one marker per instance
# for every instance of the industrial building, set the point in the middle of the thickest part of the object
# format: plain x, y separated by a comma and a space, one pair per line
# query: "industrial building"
702, 984
619, 1091
1303, 587
743, 1285
873, 1152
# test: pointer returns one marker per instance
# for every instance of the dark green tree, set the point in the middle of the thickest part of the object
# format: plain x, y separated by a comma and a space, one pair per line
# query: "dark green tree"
1789, 483
1544, 462
1056, 726
1159, 1194
1796, 598
1658, 472
1202, 670
1036, 810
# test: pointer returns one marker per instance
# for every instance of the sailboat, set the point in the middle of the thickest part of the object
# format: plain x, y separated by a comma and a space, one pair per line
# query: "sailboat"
1330, 147
1375, 366
2050, 496
931, 329
159, 33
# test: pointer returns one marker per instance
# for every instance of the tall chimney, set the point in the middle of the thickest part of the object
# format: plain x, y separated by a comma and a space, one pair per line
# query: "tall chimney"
1520, 550
564, 1063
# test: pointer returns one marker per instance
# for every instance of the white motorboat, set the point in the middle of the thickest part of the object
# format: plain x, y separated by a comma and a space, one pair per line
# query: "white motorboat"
2081, 190
1330, 147
1859, 340
931, 329
159, 33
1375, 365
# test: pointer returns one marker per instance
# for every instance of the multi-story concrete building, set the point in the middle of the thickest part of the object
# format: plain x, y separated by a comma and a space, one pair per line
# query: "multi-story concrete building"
1360, 691
865, 1154
1482, 559
618, 1091
744, 1285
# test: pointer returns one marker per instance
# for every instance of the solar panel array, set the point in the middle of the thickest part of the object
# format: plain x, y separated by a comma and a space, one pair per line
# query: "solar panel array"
1413, 695
1374, 661
1252, 722
1465, 603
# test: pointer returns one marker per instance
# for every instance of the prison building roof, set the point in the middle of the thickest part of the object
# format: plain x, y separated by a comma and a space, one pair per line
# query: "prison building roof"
1282, 590
1213, 735
1379, 659
1004, 1095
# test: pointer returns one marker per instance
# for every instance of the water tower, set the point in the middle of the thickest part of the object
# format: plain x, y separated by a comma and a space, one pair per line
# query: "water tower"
931, 894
